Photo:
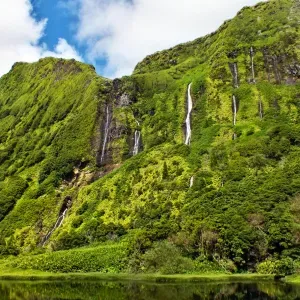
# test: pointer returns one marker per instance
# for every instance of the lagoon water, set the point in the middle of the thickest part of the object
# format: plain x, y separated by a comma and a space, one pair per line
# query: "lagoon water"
89, 290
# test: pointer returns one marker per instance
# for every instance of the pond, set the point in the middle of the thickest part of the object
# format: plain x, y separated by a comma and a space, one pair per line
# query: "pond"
40, 290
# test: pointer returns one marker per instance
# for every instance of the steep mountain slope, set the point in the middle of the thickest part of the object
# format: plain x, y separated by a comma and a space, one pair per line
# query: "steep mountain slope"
87, 160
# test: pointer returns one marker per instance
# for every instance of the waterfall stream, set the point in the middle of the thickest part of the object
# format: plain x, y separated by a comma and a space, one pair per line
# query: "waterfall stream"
192, 181
58, 223
235, 75
137, 136
261, 114
105, 134
252, 64
234, 104
188, 118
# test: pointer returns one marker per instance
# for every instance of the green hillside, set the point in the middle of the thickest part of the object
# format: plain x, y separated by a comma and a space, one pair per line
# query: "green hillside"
103, 164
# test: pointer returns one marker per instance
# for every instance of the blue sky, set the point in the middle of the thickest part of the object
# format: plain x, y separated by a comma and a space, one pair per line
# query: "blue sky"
113, 35
62, 22
59, 22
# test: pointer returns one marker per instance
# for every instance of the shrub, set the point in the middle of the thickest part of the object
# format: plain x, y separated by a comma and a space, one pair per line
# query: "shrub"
77, 222
227, 265
82, 209
203, 265
68, 240
165, 258
284, 267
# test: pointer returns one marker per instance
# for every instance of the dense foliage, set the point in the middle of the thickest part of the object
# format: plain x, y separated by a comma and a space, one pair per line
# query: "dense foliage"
67, 142
105, 259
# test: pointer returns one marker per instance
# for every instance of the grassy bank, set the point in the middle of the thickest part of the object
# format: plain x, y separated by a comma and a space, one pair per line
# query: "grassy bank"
15, 274
293, 279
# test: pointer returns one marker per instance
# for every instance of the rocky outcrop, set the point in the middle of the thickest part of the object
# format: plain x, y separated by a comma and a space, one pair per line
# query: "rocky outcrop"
117, 123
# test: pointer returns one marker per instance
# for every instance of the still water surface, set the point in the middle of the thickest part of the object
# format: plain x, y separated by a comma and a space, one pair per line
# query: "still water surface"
13, 290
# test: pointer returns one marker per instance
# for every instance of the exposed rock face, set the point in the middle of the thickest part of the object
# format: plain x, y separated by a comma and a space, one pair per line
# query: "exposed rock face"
233, 54
116, 129
105, 133
281, 68
81, 177
124, 100
293, 70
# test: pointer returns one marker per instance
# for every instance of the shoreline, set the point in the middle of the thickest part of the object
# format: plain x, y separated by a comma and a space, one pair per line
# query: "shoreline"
27, 275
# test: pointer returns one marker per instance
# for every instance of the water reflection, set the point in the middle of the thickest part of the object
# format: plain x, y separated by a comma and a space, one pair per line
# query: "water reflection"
12, 290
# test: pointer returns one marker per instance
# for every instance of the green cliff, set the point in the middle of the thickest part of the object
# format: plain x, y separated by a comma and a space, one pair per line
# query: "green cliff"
103, 164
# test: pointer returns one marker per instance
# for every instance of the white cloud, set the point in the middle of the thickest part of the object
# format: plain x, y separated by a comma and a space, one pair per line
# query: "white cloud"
62, 50
124, 31
20, 34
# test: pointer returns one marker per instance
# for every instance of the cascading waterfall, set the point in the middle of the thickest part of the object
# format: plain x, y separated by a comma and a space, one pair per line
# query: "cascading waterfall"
236, 85
188, 118
137, 136
105, 134
192, 181
58, 223
234, 70
234, 104
252, 64
235, 75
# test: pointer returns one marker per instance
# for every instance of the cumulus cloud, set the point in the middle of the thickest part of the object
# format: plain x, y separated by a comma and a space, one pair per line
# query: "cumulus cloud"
20, 34
62, 50
124, 31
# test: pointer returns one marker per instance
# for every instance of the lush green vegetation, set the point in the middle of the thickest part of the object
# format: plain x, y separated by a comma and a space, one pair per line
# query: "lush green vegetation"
242, 212
105, 259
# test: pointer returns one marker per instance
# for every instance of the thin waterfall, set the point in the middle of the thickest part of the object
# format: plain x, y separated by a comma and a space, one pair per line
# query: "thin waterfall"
137, 136
261, 113
234, 104
105, 134
235, 75
63, 217
276, 69
188, 118
252, 64
234, 70
58, 223
192, 181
